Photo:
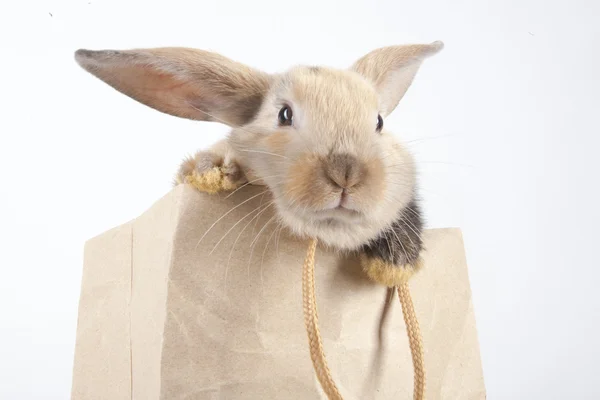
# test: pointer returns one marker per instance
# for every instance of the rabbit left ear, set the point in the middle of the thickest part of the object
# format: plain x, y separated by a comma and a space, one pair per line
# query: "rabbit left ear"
183, 82
392, 70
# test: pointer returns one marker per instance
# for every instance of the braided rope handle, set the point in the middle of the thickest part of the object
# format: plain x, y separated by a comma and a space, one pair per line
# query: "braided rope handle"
311, 321
315, 343
213, 182
414, 339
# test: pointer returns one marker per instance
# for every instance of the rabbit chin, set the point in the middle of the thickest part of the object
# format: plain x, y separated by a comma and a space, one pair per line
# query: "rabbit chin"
340, 229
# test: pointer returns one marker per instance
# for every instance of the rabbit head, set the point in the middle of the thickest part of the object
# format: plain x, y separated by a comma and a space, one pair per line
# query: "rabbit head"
315, 136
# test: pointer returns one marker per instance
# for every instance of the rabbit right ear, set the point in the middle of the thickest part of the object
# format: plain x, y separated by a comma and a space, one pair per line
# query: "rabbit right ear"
392, 70
183, 82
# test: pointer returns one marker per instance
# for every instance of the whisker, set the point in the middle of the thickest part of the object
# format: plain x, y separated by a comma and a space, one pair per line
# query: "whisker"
234, 225
238, 238
429, 138
261, 200
252, 246
413, 228
219, 119
257, 235
264, 152
281, 227
417, 215
248, 183
404, 233
262, 262
388, 155
418, 162
401, 245
411, 188
388, 243
224, 215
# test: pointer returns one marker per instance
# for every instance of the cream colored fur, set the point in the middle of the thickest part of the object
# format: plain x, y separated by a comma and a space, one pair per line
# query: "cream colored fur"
334, 111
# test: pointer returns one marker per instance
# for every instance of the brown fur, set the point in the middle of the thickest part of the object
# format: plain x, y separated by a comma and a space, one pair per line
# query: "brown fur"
344, 170
304, 185
277, 142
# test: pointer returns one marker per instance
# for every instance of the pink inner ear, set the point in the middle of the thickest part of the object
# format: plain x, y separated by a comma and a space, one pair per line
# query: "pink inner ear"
161, 91
187, 83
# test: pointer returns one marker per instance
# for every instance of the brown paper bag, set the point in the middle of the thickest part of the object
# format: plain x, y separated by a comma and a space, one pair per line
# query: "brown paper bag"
167, 312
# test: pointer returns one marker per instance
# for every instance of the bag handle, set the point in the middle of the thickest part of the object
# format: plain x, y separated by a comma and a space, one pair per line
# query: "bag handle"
315, 344
311, 321
214, 182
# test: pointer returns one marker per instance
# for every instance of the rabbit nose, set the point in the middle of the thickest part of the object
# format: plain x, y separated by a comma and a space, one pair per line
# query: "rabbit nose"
344, 170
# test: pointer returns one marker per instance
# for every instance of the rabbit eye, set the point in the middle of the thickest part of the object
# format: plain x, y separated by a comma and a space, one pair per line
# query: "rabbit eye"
379, 123
285, 116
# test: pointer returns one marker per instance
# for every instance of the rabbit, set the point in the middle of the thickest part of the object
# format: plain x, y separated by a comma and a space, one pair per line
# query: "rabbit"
314, 135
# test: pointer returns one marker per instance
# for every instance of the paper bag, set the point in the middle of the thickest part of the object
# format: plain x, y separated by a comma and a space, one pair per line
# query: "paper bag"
200, 298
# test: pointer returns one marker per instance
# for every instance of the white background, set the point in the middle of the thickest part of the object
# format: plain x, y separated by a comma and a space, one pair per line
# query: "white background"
504, 122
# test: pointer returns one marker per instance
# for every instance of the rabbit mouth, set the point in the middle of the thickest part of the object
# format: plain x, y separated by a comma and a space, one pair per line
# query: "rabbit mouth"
341, 228
339, 212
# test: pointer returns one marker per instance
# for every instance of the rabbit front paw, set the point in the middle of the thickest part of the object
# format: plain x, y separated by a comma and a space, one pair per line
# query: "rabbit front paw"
210, 172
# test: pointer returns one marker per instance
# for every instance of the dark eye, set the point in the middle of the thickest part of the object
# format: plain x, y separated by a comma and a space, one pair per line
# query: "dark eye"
379, 123
285, 116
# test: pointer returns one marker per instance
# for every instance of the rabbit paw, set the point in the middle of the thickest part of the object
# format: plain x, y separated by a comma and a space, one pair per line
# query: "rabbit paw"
210, 172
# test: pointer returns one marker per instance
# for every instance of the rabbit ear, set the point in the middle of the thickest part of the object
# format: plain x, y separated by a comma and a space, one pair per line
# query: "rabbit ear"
183, 82
392, 70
